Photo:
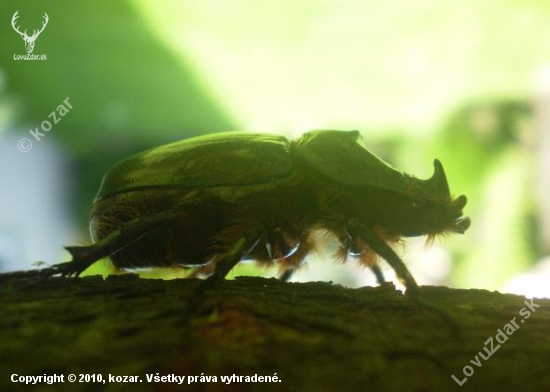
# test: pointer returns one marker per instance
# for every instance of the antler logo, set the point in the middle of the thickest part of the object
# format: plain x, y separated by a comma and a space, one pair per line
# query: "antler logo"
29, 41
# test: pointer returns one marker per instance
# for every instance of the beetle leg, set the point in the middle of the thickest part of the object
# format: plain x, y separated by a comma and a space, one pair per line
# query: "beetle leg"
286, 244
274, 244
202, 271
223, 265
369, 236
229, 260
377, 271
291, 263
287, 274
377, 244
353, 248
236, 253
351, 245
85, 256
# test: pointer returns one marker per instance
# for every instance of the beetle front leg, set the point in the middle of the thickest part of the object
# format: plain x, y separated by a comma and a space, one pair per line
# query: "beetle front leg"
366, 234
369, 236
377, 271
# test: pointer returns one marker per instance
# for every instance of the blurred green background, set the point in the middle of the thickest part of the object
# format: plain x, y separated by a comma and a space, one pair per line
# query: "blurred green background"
463, 81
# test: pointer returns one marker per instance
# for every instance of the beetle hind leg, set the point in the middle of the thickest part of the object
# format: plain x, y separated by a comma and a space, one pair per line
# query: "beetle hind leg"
84, 256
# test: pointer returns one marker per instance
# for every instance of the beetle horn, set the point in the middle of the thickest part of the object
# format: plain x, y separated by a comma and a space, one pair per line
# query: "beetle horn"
437, 186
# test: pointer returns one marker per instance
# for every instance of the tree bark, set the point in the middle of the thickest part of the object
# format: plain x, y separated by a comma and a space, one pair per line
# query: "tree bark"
312, 336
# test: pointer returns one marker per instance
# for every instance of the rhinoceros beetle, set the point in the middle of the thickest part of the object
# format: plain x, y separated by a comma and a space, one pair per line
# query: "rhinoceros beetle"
211, 201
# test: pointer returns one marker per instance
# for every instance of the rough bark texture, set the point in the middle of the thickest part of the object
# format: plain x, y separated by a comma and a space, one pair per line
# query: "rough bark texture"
314, 336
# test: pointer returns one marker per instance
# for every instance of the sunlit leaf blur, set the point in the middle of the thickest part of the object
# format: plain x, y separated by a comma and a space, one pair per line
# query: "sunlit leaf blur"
466, 82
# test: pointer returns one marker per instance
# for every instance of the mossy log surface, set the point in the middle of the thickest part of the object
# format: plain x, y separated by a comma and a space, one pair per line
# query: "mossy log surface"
314, 336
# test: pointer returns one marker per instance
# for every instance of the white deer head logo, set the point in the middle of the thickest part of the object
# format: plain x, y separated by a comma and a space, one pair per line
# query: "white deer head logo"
29, 41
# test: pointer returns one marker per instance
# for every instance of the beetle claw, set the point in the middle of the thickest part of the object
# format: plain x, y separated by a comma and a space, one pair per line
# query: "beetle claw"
66, 269
351, 246
274, 244
356, 248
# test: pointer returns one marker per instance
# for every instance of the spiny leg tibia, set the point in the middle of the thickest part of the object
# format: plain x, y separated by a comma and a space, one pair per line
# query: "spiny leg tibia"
363, 232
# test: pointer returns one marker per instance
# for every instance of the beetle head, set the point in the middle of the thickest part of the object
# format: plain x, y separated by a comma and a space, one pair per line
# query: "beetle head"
425, 208
416, 217
434, 217
445, 213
